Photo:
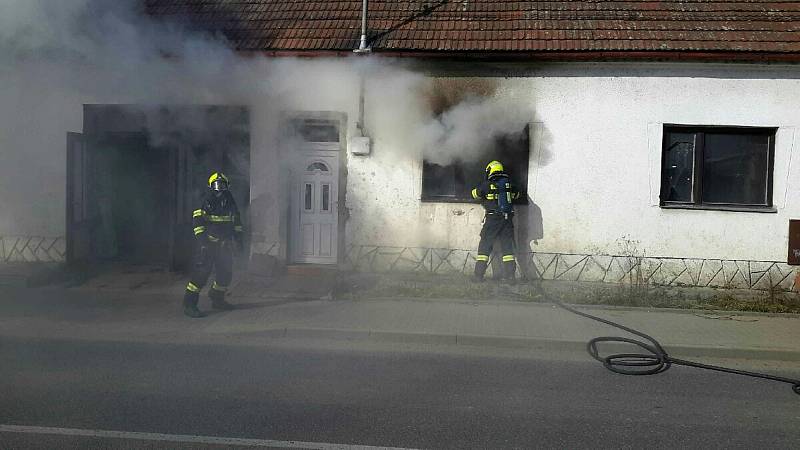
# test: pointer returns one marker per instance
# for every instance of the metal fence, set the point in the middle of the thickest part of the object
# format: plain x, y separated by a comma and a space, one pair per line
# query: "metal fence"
626, 269
32, 249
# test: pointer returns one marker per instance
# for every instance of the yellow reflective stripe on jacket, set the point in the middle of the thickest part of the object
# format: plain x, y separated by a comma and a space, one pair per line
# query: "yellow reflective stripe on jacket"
491, 196
508, 258
198, 213
482, 258
191, 287
213, 238
238, 228
475, 193
200, 229
212, 218
217, 287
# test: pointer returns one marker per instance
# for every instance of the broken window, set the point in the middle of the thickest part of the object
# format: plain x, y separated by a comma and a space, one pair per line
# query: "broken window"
454, 182
717, 167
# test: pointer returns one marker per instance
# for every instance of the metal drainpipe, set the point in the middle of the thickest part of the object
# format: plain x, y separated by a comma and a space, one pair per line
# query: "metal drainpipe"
361, 95
362, 48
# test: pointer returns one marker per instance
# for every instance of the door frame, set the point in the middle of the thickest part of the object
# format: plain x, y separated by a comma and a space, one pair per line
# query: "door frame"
102, 121
286, 146
76, 150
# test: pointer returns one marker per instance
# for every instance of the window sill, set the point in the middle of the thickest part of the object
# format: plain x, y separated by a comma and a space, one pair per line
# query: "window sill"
730, 208
523, 200
447, 200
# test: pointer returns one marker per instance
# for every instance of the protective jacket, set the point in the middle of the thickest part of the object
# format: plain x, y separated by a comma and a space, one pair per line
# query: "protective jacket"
218, 218
497, 193
217, 225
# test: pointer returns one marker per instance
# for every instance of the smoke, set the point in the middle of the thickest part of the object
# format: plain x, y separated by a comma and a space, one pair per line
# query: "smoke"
469, 130
56, 56
105, 48
443, 119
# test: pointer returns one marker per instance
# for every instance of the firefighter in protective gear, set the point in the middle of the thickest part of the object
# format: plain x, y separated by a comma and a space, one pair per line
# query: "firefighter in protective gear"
497, 193
217, 227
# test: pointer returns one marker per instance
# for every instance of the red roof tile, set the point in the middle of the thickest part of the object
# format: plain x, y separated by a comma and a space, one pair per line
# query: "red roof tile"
746, 26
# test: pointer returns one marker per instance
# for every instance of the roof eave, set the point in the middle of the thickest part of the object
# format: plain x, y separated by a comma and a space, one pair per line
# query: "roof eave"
549, 56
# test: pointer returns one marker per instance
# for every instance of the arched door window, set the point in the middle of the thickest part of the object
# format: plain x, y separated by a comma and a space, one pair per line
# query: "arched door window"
317, 167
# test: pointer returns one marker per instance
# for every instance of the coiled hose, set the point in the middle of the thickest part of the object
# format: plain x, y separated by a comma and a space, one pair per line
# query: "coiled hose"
656, 360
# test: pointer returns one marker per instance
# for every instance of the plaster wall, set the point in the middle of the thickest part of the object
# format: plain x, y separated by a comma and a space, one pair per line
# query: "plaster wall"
33, 141
595, 167
594, 172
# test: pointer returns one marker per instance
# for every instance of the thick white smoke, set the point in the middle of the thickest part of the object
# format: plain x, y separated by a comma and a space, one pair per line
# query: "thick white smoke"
56, 56
469, 128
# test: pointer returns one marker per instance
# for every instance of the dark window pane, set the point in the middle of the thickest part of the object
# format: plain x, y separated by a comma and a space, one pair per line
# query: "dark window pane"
326, 194
679, 166
468, 175
735, 168
307, 202
513, 151
438, 181
455, 181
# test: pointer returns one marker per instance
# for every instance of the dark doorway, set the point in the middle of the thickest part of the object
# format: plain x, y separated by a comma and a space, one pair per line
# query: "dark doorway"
131, 197
136, 174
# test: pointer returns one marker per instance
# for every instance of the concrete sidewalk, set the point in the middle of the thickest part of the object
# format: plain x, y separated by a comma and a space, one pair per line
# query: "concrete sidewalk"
155, 316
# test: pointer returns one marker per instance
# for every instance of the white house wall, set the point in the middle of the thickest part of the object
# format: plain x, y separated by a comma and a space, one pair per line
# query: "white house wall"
33, 139
602, 178
595, 175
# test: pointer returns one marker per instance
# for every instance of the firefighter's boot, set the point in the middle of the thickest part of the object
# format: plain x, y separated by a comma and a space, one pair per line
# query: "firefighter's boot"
480, 270
509, 271
190, 303
217, 296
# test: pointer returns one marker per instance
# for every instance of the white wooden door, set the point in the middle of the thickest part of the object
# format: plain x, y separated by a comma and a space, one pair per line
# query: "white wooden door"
314, 208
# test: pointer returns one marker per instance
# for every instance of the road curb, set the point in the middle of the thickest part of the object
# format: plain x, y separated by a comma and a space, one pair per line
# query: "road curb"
582, 306
517, 342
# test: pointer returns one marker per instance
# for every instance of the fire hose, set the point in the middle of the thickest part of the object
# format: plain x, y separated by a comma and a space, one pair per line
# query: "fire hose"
656, 360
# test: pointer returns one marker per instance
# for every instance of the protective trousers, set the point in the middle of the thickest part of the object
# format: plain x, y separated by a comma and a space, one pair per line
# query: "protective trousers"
210, 256
497, 226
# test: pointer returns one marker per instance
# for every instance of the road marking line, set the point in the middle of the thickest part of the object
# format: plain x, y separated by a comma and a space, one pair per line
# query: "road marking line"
185, 438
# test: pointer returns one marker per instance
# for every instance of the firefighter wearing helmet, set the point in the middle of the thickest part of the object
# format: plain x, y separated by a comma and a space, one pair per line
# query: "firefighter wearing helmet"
217, 227
498, 194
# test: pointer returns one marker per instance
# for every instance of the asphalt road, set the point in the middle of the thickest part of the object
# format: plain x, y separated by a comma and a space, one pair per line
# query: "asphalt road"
338, 395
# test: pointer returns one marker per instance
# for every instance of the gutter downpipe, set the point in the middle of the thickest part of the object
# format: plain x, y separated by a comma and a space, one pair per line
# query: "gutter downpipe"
362, 49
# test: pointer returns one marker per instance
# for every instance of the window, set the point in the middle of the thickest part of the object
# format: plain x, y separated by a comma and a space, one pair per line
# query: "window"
717, 167
454, 182
315, 130
307, 197
317, 166
326, 197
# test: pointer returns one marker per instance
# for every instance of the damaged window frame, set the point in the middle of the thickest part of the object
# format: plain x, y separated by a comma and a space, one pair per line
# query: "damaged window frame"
467, 175
696, 194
